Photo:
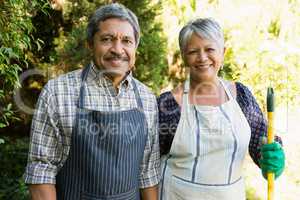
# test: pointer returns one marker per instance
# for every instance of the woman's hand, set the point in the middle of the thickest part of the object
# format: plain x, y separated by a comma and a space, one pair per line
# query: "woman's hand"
272, 159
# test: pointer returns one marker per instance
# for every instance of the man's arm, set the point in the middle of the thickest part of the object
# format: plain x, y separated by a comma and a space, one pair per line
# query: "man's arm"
150, 193
45, 151
42, 192
150, 167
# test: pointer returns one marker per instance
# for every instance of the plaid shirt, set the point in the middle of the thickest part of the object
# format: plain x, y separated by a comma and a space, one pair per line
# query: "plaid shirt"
169, 115
54, 118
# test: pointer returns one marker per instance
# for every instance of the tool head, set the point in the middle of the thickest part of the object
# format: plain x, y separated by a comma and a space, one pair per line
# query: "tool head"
270, 100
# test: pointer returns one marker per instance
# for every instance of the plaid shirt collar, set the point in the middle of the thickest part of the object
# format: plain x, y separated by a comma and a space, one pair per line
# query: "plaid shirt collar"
96, 77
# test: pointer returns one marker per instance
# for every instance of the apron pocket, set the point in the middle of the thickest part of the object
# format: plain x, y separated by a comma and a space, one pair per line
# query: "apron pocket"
130, 195
184, 189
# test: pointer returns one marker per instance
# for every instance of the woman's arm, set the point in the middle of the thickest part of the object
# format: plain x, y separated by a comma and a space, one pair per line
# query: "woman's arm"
255, 118
169, 115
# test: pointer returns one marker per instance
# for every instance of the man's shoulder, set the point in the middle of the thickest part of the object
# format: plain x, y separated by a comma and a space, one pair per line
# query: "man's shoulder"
143, 89
147, 96
66, 81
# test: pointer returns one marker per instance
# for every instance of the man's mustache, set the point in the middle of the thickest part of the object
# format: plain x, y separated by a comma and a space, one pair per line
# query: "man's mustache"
116, 57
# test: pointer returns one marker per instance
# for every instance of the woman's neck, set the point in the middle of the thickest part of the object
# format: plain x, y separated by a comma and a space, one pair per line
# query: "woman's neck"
211, 87
207, 93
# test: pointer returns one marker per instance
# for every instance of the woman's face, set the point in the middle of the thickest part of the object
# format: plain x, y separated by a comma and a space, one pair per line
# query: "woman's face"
204, 58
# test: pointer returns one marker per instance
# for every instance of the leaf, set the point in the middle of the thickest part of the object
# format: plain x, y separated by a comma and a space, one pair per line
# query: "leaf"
2, 141
2, 125
9, 106
193, 4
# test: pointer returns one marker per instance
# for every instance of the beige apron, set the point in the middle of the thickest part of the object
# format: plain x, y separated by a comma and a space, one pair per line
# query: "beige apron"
206, 157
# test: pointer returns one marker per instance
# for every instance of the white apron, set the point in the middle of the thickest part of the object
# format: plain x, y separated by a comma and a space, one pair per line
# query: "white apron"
207, 153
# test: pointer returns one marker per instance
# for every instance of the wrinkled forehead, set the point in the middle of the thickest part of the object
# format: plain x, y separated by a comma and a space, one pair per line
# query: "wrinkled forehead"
116, 26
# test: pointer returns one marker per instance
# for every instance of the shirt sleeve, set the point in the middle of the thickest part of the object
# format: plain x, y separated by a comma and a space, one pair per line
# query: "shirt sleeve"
256, 120
150, 167
44, 151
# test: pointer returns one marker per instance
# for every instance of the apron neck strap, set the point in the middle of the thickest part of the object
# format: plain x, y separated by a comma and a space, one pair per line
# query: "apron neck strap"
186, 88
137, 95
228, 93
84, 75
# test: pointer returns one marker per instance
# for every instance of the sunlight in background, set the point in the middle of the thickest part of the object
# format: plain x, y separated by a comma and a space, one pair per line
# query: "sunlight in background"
263, 36
263, 49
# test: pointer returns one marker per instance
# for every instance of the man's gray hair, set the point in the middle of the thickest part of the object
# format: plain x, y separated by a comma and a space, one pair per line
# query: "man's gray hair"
206, 28
113, 10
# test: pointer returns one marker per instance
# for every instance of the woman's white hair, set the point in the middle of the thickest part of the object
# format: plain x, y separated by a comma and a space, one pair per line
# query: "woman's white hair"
206, 28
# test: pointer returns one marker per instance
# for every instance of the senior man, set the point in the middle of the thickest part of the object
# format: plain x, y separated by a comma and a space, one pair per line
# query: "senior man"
94, 132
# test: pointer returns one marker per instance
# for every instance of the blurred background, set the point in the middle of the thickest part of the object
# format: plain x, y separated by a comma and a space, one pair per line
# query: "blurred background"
41, 39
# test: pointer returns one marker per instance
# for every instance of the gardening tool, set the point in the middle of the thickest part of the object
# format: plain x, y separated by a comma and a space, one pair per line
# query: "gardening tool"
270, 110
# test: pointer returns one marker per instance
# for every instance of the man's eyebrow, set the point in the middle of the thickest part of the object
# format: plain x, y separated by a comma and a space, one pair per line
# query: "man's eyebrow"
106, 34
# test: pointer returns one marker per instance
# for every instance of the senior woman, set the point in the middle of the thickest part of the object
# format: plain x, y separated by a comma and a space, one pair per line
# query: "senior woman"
207, 124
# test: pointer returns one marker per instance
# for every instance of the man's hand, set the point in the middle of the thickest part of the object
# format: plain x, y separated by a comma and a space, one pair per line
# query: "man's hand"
150, 193
272, 159
42, 192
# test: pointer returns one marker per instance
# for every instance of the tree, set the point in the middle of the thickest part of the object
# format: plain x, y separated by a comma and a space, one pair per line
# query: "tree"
16, 44
56, 43
16, 41
260, 53
151, 66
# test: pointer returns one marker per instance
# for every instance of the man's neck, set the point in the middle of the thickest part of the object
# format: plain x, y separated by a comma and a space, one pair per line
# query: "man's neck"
116, 80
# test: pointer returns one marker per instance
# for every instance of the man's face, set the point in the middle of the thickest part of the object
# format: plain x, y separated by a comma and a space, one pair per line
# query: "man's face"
114, 46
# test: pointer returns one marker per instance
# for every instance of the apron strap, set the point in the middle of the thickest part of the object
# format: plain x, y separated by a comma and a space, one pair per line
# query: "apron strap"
185, 98
186, 86
137, 95
226, 89
84, 75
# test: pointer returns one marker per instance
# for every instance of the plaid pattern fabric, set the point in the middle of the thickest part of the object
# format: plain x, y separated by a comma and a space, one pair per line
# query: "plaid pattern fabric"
54, 119
169, 115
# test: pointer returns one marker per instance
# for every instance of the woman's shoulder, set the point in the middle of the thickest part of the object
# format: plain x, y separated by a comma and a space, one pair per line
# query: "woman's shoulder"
168, 106
165, 96
171, 97
240, 92
167, 101
244, 94
247, 100
238, 89
242, 89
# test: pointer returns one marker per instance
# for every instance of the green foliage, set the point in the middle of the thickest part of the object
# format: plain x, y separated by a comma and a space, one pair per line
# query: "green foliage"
15, 41
274, 28
70, 49
12, 164
262, 52
151, 65
193, 4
